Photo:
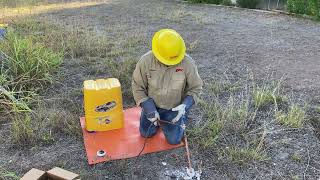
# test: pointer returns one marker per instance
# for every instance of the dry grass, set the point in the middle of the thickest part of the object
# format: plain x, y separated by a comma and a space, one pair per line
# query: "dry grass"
221, 118
74, 41
7, 13
193, 46
43, 126
177, 14
123, 71
17, 3
62, 121
47, 122
229, 112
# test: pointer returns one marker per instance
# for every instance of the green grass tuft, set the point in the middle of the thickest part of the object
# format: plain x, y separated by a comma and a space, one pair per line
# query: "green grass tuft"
7, 175
296, 157
22, 130
294, 118
244, 155
266, 95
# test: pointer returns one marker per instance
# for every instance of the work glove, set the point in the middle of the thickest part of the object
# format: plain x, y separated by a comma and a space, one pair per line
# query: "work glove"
154, 117
150, 111
183, 108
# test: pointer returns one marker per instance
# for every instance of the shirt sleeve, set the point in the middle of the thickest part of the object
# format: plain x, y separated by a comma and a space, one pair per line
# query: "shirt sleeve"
194, 83
139, 83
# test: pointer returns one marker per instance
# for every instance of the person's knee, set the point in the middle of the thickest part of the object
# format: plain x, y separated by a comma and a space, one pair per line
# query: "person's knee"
174, 140
146, 134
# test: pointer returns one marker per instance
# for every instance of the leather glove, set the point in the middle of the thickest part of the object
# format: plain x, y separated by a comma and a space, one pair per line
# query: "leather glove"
181, 111
183, 108
154, 117
150, 110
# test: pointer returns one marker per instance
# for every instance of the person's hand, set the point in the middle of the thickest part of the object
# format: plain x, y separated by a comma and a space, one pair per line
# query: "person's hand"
181, 111
154, 117
183, 108
150, 111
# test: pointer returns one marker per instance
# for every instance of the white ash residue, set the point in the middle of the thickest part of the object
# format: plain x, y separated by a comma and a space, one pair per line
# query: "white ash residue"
183, 173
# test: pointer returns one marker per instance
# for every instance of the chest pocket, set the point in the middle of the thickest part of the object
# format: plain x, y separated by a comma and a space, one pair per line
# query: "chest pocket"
178, 81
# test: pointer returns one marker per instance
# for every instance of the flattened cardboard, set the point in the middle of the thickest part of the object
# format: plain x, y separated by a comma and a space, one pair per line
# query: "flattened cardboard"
53, 174
61, 174
34, 174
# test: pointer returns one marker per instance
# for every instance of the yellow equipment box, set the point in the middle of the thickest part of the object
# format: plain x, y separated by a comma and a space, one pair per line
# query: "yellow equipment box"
103, 104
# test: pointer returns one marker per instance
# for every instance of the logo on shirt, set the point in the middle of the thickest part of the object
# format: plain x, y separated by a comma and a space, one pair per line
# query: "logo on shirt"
179, 69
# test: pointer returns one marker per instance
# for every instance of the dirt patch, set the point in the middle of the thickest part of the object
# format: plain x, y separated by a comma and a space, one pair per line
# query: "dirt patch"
227, 44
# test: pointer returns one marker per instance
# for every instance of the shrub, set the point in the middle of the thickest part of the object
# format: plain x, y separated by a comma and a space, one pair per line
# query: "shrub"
314, 8
296, 6
251, 4
207, 1
294, 118
227, 2
309, 7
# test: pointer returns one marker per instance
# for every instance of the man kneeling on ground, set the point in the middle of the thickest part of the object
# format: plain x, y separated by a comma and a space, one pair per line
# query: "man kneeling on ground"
166, 84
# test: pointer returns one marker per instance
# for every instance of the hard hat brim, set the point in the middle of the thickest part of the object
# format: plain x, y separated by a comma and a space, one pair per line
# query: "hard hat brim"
169, 62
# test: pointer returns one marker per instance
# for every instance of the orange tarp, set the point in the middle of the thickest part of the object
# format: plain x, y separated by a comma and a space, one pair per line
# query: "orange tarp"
122, 143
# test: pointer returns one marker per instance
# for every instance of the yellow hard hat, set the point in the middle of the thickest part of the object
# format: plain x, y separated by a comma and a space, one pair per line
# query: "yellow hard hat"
168, 47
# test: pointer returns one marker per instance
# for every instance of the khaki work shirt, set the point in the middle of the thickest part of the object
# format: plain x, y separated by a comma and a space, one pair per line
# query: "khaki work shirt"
166, 85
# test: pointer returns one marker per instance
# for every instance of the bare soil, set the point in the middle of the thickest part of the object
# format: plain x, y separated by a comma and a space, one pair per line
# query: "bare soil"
225, 42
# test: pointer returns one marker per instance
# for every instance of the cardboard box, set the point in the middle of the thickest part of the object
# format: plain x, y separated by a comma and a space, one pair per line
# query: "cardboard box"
53, 174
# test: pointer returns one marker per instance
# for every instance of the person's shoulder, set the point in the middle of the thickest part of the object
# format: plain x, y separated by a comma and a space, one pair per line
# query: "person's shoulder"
188, 61
145, 59
147, 56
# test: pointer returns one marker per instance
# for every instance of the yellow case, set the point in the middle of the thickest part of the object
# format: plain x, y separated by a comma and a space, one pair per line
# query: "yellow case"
103, 104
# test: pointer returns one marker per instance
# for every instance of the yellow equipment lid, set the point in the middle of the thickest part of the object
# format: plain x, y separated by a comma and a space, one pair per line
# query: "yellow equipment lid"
101, 84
